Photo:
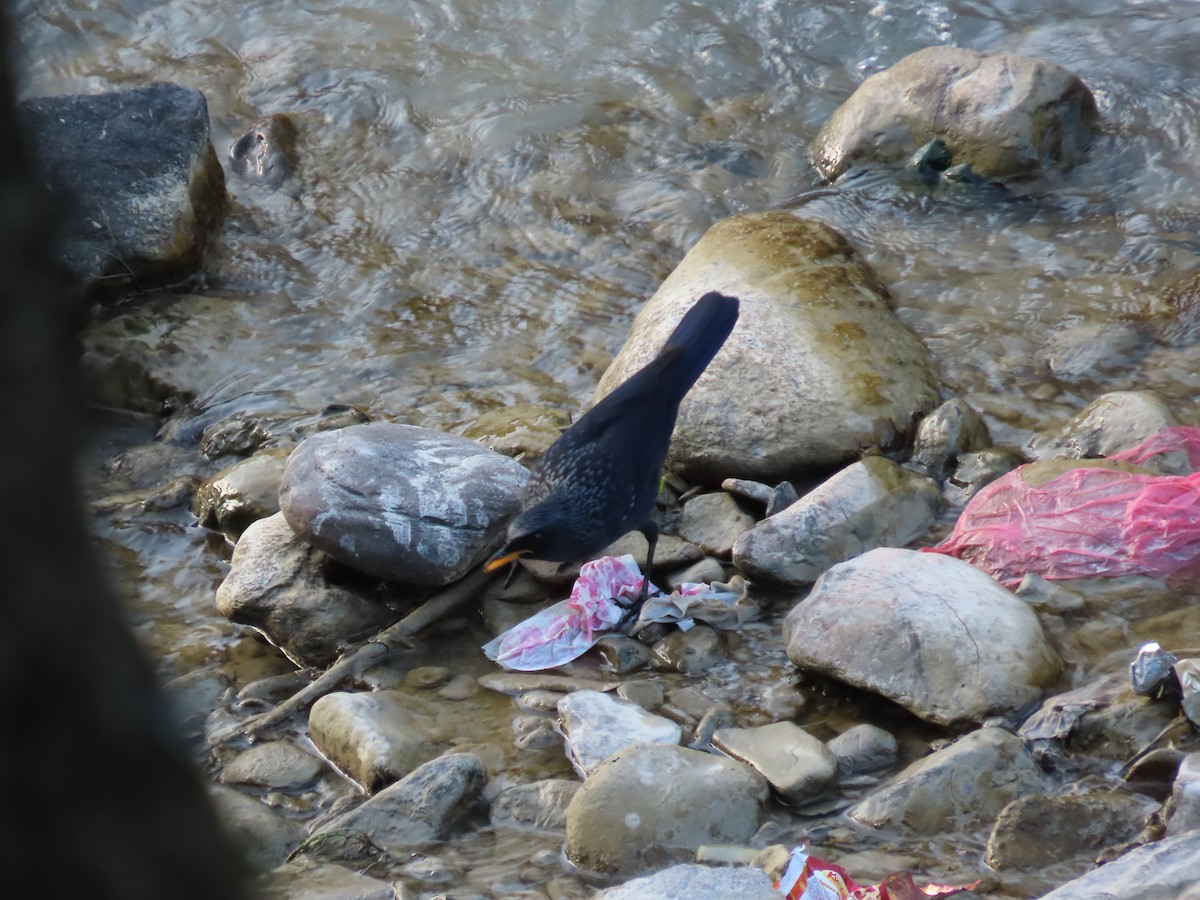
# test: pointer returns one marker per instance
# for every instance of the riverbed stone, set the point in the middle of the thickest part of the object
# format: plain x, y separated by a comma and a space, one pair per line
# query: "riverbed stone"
597, 725
696, 881
871, 503
694, 650
145, 187
797, 765
929, 632
279, 765
376, 737
655, 804
423, 806
1111, 423
541, 805
817, 368
306, 879
1040, 830
1001, 114
964, 785
399, 502
1184, 807
864, 748
714, 521
1164, 870
277, 584
241, 493
263, 837
946, 435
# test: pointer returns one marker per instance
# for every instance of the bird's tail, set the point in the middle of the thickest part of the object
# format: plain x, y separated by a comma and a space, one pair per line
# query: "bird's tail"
697, 338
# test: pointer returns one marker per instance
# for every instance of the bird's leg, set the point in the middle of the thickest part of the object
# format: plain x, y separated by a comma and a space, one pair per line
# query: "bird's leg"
634, 607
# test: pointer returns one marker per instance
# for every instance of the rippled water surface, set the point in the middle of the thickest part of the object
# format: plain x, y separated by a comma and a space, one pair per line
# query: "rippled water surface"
489, 191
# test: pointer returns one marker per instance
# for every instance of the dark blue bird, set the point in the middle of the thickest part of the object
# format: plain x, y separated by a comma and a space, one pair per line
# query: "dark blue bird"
600, 479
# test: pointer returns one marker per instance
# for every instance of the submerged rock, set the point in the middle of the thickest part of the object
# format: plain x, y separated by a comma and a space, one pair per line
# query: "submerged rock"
1001, 114
263, 837
655, 804
541, 805
871, 503
947, 434
399, 502
931, 633
817, 368
1109, 424
1165, 870
597, 725
144, 184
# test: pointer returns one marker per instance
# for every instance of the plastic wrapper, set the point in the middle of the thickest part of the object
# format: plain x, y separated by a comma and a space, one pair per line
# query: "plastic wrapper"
1087, 522
809, 878
598, 603
1150, 673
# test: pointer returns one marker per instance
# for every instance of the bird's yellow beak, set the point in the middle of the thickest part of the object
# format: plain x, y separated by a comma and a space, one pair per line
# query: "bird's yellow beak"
503, 559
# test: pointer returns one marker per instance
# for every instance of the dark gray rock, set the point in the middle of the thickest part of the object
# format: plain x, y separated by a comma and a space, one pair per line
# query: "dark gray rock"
945, 435
242, 493
423, 806
147, 189
399, 502
277, 584
864, 748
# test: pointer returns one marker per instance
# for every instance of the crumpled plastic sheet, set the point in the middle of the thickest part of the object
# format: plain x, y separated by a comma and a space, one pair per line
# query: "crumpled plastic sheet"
1087, 522
571, 627
809, 878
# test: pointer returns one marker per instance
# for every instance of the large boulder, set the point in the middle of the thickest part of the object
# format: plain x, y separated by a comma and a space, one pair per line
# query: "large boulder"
141, 175
1002, 114
932, 633
399, 502
816, 369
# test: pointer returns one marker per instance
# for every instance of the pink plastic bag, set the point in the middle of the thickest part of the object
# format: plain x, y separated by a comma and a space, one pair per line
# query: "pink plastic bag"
1087, 522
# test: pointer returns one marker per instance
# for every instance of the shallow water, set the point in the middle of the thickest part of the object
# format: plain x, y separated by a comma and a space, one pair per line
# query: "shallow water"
489, 191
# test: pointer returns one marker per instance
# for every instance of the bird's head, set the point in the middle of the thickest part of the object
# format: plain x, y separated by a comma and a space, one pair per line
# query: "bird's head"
535, 533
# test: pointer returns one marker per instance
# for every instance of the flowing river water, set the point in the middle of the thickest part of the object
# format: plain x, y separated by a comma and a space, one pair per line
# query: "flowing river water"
488, 191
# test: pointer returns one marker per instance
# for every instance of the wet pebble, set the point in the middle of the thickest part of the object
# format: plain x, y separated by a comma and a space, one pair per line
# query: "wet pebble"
1184, 809
242, 493
263, 837
657, 803
274, 764
963, 785
714, 521
690, 651
622, 654
646, 693
864, 748
1109, 424
870, 503
798, 765
541, 805
946, 435
304, 879
514, 683
598, 725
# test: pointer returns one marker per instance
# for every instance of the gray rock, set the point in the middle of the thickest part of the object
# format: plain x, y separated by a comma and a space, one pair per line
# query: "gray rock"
1089, 351
267, 152
274, 764
864, 748
798, 765
597, 725
1161, 871
714, 521
622, 654
694, 650
398, 502
964, 785
870, 503
242, 493
304, 879
263, 836
1046, 829
654, 804
706, 571
929, 632
276, 583
1109, 424
976, 471
781, 395
541, 805
143, 181
751, 490
377, 737
1002, 115
423, 806
945, 435
1184, 808
697, 882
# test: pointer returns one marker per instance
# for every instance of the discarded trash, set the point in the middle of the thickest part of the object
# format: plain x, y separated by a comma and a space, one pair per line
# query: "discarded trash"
1150, 673
568, 629
809, 878
1092, 519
